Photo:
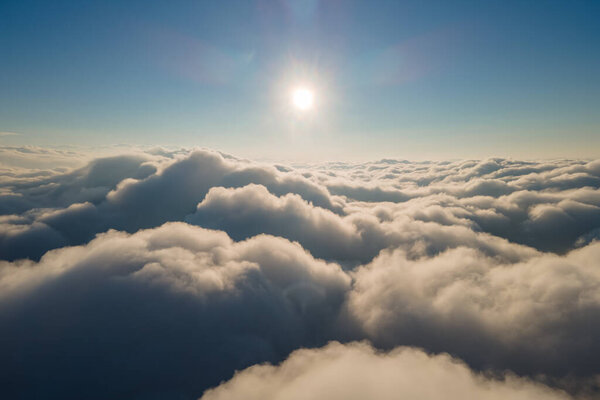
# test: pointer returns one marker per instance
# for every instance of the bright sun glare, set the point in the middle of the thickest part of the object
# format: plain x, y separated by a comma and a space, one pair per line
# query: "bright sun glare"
303, 99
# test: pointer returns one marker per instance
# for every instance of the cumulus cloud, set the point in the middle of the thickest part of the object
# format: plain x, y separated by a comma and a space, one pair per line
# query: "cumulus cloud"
523, 202
356, 237
251, 210
89, 183
134, 192
168, 311
536, 316
357, 371
164, 271
146, 190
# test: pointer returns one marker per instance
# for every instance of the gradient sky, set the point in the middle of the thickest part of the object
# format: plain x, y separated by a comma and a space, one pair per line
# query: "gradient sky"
403, 79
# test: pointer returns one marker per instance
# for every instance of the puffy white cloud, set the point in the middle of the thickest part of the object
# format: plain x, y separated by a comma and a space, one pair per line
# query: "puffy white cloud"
357, 371
355, 238
252, 210
536, 316
169, 310
134, 192
92, 182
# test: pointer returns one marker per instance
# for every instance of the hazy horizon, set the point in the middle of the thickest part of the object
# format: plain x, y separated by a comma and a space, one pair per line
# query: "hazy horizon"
397, 79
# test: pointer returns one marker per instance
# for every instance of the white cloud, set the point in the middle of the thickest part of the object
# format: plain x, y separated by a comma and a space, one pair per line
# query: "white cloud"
176, 307
534, 316
357, 371
492, 261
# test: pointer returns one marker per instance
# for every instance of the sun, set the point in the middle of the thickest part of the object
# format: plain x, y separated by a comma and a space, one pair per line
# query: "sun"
303, 99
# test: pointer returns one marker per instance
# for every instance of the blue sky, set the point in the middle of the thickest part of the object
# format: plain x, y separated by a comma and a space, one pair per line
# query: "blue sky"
404, 79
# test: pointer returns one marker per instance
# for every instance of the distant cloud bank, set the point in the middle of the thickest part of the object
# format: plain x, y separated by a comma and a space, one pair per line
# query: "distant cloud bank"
159, 274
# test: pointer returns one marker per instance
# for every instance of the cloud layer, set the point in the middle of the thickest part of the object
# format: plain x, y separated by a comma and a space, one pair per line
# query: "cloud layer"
161, 273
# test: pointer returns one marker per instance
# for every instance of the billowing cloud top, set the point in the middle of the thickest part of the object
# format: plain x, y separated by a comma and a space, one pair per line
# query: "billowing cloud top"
357, 371
159, 274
